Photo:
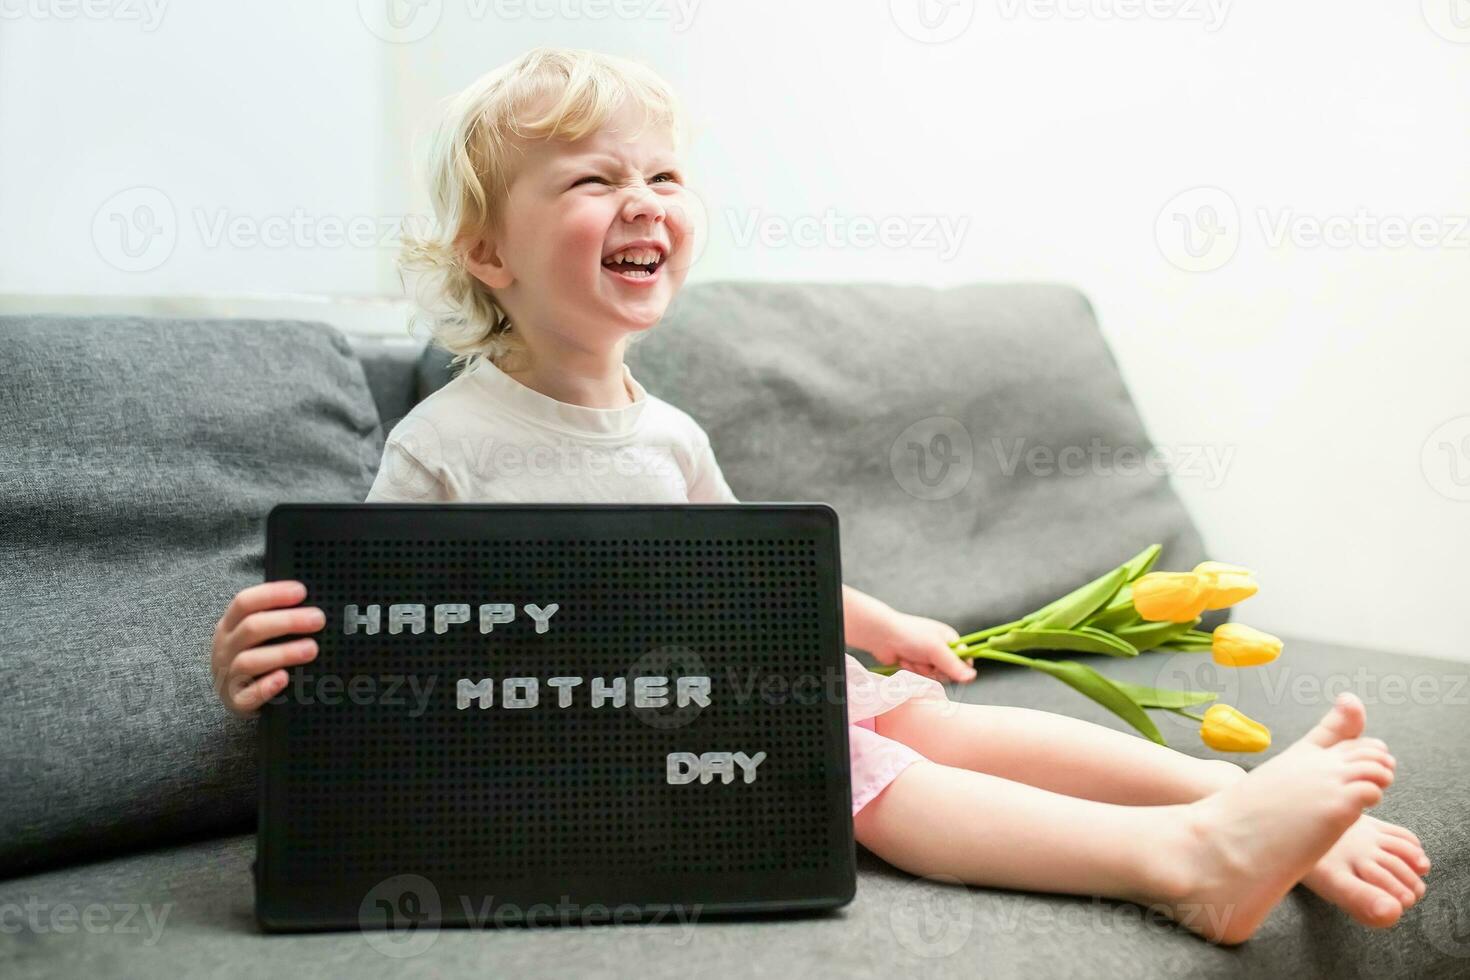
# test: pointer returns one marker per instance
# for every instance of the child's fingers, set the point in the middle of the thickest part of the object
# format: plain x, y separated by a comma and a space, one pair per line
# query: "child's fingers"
955, 668
266, 595
262, 660
247, 700
262, 627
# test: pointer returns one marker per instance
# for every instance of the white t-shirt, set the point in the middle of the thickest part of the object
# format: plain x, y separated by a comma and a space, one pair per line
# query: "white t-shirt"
486, 438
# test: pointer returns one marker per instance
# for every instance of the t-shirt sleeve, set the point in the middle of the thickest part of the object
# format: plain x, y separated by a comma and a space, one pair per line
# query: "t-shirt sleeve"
403, 479
707, 483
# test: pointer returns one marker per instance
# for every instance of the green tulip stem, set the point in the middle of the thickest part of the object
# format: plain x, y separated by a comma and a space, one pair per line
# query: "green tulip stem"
970, 653
1181, 711
971, 639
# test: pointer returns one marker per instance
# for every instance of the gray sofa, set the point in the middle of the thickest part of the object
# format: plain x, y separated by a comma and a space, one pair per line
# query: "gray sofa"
138, 458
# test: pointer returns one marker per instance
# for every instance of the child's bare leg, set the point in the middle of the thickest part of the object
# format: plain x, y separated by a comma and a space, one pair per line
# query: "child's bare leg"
1372, 871
1218, 865
1055, 752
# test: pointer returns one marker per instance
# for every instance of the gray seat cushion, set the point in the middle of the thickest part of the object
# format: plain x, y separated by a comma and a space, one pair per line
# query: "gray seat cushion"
978, 443
897, 925
140, 460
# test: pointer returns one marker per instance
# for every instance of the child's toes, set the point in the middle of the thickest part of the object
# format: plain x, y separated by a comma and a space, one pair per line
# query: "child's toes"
1372, 771
1406, 876
1375, 874
1411, 854
1370, 754
1344, 721
1366, 903
1403, 832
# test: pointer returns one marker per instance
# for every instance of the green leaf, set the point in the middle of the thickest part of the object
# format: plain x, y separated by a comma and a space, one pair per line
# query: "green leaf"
1154, 697
1083, 640
1105, 692
1118, 613
1081, 603
1140, 563
1151, 636
1114, 620
1130, 569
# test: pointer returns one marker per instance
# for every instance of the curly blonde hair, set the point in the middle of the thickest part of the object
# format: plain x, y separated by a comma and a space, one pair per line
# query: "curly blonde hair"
472, 163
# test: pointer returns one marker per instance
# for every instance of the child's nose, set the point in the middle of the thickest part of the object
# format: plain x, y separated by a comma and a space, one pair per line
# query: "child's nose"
643, 203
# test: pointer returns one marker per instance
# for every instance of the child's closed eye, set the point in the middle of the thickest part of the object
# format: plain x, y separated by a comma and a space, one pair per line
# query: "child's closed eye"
667, 177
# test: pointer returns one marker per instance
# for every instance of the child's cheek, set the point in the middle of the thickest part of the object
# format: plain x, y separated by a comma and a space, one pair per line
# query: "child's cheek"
584, 234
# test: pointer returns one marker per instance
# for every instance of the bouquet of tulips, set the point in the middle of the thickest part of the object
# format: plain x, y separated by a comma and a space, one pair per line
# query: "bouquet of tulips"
1130, 610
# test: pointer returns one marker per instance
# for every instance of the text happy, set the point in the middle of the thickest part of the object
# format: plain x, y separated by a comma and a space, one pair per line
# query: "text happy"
446, 614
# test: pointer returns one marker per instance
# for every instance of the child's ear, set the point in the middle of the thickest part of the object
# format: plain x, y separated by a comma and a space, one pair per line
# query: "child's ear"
484, 262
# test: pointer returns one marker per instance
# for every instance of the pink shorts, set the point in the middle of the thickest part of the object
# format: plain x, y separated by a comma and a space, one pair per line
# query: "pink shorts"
876, 759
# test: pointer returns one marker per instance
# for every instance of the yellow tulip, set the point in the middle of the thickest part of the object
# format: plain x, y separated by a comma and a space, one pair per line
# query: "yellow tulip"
1172, 597
1226, 730
1238, 645
1226, 584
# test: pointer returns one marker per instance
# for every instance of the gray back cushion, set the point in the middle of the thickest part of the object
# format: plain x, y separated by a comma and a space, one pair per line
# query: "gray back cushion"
904, 407
138, 460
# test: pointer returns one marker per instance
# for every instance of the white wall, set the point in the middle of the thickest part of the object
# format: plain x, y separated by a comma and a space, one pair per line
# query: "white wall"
1051, 140
234, 128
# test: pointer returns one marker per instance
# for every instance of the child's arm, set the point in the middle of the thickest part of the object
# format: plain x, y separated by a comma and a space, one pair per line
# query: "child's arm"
915, 643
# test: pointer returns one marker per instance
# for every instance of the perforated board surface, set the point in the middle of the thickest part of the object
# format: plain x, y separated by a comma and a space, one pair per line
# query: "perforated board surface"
521, 705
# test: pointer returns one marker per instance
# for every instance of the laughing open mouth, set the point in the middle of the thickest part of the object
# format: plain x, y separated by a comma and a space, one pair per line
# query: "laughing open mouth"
638, 262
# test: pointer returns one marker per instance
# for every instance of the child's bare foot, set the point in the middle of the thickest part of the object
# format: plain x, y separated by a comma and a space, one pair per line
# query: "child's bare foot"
1240, 850
1372, 872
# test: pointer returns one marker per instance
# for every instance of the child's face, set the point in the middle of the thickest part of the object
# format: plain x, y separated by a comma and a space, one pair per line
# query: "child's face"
572, 206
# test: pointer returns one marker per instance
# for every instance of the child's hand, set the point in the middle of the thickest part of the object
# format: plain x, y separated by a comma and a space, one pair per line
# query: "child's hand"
921, 645
247, 674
